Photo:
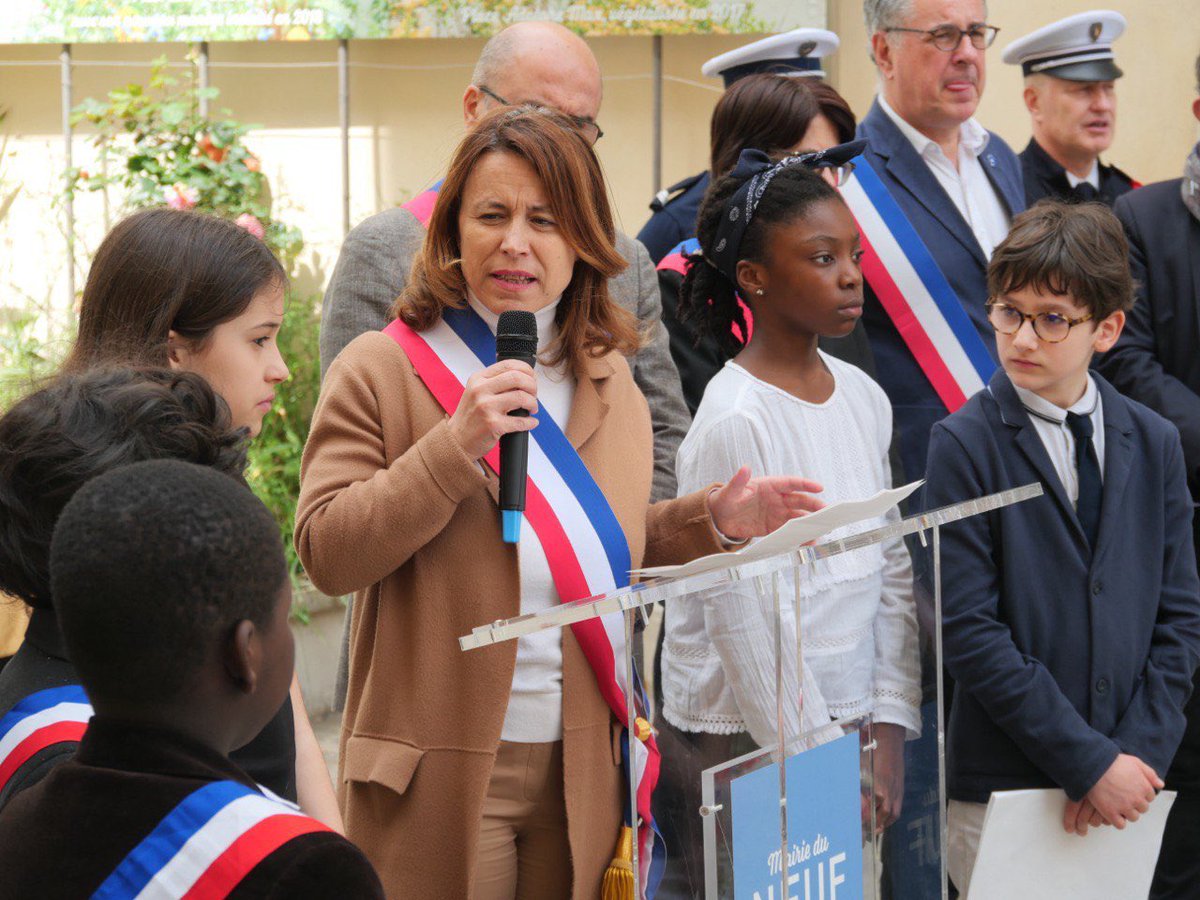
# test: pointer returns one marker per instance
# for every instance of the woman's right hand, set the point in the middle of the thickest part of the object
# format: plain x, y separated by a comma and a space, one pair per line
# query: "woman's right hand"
483, 413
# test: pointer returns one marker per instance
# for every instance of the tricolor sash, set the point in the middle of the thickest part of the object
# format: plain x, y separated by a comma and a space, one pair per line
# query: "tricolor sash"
421, 206
915, 294
678, 261
206, 845
45, 718
584, 543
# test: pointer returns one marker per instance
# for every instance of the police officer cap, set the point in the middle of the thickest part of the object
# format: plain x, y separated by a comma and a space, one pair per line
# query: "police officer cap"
796, 52
1077, 48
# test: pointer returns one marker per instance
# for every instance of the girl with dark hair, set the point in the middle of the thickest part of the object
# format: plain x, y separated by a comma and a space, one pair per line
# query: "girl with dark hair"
779, 235
192, 291
779, 115
51, 443
200, 294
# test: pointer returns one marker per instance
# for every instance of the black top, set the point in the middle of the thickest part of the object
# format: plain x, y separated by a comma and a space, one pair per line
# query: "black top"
1045, 178
64, 837
41, 663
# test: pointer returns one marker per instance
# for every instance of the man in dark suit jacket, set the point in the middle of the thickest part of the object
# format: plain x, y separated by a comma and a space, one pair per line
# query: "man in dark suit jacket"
1070, 74
922, 140
1156, 362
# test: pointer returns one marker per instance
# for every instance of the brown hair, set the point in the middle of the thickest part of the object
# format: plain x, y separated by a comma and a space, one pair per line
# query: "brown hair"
589, 323
163, 270
1075, 249
772, 112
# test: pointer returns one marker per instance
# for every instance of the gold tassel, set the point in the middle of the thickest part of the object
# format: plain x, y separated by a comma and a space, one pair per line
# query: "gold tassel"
618, 881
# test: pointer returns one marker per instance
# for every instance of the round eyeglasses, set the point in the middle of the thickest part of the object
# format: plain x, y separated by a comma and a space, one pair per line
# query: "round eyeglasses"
1049, 327
948, 37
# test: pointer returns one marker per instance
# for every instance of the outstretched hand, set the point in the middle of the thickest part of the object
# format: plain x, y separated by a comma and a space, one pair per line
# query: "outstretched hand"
748, 507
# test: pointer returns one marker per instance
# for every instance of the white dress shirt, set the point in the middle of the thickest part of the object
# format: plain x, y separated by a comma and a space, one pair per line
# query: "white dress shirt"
1093, 177
966, 184
534, 712
858, 626
1051, 424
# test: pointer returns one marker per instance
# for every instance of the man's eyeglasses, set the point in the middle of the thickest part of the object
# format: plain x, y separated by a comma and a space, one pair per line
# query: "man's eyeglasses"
948, 37
587, 127
1049, 327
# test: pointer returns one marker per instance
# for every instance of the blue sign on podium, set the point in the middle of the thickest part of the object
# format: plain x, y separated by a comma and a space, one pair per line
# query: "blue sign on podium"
824, 815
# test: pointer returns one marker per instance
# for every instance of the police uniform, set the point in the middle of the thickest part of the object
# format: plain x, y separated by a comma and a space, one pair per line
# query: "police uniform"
1077, 48
68, 836
41, 668
797, 52
1044, 177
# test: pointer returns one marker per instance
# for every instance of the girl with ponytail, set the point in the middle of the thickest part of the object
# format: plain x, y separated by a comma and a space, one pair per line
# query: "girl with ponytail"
776, 238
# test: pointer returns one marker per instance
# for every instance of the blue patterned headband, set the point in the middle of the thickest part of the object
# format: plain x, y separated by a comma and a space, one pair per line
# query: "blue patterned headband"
759, 169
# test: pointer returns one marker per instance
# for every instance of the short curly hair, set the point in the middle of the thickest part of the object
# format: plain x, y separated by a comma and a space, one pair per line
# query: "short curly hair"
153, 565
82, 425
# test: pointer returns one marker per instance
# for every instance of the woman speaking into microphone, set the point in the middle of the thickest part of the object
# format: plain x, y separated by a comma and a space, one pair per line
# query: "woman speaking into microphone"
498, 773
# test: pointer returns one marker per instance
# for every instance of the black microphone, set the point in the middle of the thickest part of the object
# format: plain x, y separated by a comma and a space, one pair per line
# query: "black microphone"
516, 338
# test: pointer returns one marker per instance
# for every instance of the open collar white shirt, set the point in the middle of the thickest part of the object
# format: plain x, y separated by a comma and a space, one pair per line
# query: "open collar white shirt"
1050, 422
966, 184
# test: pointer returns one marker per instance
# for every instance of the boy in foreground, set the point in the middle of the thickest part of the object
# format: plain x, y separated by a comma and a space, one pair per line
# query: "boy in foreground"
1071, 621
173, 596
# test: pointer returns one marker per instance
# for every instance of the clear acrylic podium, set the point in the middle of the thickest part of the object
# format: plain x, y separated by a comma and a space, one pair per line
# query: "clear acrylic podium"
792, 802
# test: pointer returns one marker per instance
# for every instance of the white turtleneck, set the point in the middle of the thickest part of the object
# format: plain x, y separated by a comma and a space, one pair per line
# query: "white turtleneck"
535, 704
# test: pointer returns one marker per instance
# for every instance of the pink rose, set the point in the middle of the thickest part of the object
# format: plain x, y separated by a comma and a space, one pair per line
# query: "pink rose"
180, 196
251, 224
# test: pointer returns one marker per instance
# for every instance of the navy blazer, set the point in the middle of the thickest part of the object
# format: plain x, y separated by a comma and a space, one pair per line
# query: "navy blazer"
949, 238
1155, 360
1063, 657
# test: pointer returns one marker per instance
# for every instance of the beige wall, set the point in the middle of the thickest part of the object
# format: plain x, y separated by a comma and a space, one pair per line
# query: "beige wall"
405, 120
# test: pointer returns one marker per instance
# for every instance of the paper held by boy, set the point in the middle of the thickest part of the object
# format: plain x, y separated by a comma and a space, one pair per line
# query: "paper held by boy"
789, 536
1024, 851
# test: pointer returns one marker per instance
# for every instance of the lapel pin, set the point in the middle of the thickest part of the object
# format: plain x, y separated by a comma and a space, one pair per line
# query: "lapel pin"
991, 160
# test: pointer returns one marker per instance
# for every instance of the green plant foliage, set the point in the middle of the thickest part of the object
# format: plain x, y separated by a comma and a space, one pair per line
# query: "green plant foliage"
158, 149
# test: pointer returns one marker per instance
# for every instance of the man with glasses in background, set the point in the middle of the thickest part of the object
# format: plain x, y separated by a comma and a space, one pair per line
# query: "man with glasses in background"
943, 190
539, 63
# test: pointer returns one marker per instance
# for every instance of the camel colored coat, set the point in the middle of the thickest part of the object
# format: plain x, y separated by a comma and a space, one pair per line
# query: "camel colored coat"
392, 509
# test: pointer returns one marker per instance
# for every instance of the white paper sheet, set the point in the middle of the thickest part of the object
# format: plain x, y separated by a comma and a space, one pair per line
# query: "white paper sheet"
790, 535
1024, 852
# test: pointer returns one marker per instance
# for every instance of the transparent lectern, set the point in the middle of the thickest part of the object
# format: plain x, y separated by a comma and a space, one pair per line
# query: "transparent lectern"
800, 723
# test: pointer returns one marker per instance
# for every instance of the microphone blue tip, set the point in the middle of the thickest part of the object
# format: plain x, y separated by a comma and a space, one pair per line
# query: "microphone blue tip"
510, 525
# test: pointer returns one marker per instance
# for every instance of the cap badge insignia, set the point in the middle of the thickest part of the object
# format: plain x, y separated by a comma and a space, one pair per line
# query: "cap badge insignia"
806, 48
1094, 31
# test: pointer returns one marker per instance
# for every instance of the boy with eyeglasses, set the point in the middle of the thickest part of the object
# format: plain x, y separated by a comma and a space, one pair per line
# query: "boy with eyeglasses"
1071, 621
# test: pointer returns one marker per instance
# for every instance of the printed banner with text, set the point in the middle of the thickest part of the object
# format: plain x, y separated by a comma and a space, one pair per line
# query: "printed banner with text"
108, 21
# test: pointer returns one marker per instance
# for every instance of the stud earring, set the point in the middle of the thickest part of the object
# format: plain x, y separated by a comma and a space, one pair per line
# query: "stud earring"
759, 292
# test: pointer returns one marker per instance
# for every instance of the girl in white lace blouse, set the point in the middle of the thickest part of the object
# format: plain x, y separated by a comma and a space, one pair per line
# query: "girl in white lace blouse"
781, 236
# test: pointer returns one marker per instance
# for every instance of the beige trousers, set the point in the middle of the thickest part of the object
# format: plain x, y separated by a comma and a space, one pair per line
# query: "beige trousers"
523, 848
964, 824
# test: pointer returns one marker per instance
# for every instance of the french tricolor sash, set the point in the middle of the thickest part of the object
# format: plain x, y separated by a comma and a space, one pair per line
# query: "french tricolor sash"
678, 261
206, 845
584, 544
421, 206
915, 294
45, 718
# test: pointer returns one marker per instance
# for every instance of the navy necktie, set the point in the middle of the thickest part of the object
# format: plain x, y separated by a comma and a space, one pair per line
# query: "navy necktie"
1087, 467
1085, 192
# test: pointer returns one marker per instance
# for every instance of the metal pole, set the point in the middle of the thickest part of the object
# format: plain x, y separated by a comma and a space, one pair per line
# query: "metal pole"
202, 65
344, 114
69, 204
657, 80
